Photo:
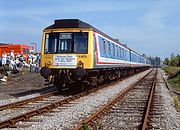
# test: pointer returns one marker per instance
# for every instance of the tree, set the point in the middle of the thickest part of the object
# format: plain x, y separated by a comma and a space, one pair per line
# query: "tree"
166, 61
173, 60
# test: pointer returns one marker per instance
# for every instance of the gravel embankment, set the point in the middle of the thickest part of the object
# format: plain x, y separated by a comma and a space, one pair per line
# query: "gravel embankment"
69, 115
172, 117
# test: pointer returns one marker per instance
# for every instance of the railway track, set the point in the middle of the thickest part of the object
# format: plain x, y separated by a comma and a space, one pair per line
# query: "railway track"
46, 105
129, 110
26, 101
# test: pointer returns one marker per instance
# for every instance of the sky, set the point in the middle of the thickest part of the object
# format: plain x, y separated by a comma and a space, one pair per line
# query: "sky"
150, 27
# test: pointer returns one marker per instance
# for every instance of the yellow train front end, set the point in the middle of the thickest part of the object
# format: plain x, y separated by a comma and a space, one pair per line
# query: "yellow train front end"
66, 55
63, 55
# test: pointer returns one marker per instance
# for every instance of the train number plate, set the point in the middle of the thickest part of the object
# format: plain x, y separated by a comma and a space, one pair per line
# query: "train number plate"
65, 60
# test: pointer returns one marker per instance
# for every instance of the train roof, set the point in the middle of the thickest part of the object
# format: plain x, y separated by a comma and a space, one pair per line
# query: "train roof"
69, 23
76, 23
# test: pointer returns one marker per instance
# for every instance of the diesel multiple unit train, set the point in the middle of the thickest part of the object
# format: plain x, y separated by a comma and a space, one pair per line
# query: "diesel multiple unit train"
76, 52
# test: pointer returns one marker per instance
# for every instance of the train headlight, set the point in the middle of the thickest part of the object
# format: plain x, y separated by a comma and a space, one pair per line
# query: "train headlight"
49, 62
80, 64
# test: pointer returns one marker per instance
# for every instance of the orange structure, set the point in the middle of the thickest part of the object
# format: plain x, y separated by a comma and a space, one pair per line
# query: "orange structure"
18, 49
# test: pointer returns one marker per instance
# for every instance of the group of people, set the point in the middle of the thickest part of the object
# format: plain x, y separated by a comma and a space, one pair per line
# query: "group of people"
18, 61
6, 58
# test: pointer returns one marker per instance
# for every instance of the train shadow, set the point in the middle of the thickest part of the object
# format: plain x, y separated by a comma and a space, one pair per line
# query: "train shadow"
34, 91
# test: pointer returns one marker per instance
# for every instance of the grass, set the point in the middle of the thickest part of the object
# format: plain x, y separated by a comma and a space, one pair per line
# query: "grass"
171, 69
175, 81
177, 102
175, 84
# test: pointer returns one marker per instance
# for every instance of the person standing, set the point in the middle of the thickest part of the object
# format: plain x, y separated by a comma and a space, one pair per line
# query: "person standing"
12, 55
4, 58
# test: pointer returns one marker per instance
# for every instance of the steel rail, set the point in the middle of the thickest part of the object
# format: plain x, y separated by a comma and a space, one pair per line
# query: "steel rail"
26, 101
150, 98
108, 106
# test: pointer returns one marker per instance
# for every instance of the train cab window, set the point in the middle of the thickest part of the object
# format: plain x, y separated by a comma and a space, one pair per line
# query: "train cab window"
50, 43
66, 42
80, 43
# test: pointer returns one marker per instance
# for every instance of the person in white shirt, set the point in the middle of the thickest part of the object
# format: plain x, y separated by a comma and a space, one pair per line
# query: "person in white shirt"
12, 55
4, 58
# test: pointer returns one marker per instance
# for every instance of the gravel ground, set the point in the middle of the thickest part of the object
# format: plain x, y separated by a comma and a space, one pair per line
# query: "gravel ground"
21, 86
71, 114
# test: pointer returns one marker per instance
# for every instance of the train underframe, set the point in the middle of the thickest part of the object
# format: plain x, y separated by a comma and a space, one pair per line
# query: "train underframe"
84, 79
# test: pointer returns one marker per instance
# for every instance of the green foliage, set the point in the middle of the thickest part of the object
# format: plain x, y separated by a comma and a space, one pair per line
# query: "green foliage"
173, 60
167, 61
175, 82
85, 127
177, 102
171, 69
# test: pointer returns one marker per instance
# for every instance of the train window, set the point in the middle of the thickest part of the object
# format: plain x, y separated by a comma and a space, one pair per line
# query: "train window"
104, 46
66, 42
125, 51
50, 43
109, 48
80, 43
117, 51
120, 52
113, 49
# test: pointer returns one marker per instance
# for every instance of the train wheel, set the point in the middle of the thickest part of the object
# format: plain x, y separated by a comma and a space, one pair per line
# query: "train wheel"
84, 86
57, 83
100, 79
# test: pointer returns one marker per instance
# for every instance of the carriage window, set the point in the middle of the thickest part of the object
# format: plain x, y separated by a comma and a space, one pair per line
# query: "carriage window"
120, 53
113, 49
104, 46
117, 52
109, 48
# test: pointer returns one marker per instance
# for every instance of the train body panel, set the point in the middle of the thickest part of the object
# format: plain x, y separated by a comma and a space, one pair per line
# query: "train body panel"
109, 54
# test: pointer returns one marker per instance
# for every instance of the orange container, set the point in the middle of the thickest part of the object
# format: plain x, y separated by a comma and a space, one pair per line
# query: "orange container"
18, 49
